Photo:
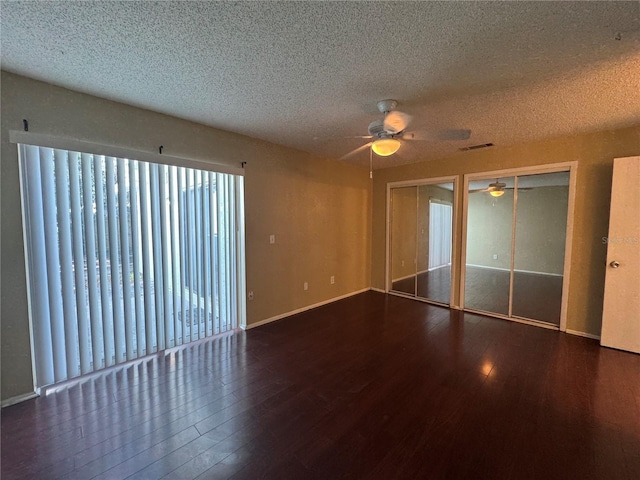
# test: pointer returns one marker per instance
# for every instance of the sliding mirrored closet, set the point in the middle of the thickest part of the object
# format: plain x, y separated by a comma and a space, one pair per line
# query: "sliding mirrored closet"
420, 239
512, 260
514, 245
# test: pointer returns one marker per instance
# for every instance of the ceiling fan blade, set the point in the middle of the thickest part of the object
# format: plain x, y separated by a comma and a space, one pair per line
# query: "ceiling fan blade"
442, 135
396, 122
352, 136
478, 190
357, 150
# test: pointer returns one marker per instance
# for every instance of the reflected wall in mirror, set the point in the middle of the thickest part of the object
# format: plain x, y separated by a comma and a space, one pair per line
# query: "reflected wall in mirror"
421, 241
403, 239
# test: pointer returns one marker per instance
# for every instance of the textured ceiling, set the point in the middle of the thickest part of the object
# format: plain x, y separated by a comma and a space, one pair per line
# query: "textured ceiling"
288, 72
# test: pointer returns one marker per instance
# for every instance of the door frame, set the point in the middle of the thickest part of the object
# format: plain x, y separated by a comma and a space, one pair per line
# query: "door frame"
572, 168
455, 179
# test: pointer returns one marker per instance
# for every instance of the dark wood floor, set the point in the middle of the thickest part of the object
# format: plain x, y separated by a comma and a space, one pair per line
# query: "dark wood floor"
370, 387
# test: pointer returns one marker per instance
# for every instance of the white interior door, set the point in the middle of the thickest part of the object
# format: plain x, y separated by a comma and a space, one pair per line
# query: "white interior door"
621, 313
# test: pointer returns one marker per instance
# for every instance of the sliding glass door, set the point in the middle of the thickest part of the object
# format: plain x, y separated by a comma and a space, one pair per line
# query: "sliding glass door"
515, 240
421, 240
126, 258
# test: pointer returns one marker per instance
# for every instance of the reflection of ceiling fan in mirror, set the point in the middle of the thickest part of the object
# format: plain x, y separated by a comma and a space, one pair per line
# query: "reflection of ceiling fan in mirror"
496, 189
388, 133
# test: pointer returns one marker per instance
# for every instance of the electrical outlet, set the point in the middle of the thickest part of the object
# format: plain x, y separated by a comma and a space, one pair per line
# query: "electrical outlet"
306, 286
332, 279
272, 239
403, 263
250, 295
495, 256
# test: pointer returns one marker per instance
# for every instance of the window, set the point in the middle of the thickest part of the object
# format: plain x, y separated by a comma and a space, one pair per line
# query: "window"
126, 258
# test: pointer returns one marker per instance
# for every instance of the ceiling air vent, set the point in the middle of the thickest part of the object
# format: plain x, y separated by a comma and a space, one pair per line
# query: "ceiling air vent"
476, 147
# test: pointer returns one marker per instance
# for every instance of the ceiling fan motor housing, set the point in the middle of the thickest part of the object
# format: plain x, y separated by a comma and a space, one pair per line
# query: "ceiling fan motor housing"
386, 106
376, 129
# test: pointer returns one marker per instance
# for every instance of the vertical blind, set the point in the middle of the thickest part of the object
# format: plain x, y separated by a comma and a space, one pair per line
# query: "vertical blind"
126, 258
440, 226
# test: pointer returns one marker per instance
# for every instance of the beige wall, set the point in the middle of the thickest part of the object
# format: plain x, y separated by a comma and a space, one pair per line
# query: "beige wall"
318, 209
320, 213
594, 153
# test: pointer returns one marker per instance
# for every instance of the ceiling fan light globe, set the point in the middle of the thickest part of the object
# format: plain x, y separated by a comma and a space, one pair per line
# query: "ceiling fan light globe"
385, 146
496, 193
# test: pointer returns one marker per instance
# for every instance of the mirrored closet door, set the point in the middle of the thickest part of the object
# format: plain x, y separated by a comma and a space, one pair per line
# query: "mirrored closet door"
421, 241
540, 238
403, 239
515, 245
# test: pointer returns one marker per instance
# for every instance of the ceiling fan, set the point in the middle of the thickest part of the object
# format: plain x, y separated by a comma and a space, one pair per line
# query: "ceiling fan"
388, 133
496, 189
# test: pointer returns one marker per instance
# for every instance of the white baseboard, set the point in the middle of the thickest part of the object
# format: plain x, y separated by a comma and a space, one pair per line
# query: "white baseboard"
19, 398
515, 270
378, 290
583, 334
303, 309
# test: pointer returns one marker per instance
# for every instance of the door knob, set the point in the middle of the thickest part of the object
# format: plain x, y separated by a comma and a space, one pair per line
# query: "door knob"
614, 264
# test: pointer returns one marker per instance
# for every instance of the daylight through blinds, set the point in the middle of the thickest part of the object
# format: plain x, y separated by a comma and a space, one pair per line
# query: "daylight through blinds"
126, 258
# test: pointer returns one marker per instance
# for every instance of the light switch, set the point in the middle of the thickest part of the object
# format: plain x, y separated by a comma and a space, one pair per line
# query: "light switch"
272, 239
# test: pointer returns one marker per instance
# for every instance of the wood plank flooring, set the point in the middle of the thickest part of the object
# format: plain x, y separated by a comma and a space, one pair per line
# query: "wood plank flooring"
371, 387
